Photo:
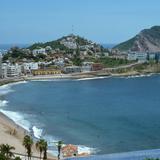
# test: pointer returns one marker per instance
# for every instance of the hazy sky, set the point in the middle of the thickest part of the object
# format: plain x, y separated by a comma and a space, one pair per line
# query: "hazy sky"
104, 21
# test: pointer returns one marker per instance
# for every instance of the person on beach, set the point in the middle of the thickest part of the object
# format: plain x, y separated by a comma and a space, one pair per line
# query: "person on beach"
59, 146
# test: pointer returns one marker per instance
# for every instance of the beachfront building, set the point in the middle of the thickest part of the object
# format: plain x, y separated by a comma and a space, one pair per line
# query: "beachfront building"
45, 72
72, 69
86, 66
4, 70
13, 70
28, 67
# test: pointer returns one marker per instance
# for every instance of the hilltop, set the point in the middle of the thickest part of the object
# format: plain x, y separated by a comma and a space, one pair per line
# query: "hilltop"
70, 43
148, 40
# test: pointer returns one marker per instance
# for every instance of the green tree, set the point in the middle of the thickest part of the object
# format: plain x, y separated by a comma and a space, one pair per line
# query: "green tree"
2, 156
27, 143
41, 145
45, 147
6, 150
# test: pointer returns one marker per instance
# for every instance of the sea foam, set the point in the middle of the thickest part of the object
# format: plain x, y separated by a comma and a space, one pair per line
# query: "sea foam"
139, 76
17, 118
84, 149
93, 78
3, 103
5, 89
37, 132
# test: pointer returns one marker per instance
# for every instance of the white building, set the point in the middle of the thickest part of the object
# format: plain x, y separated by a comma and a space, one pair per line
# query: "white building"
152, 56
13, 70
39, 51
4, 70
72, 69
140, 56
28, 67
59, 62
86, 66
131, 57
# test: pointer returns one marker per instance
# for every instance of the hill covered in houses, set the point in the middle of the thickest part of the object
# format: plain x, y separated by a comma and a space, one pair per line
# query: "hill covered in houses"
75, 54
72, 47
69, 44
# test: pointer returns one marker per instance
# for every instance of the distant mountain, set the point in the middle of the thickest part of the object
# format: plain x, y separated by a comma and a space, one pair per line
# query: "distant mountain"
108, 45
146, 40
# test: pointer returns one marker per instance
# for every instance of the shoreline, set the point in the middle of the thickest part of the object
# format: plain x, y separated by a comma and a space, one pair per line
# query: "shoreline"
81, 75
12, 133
12, 130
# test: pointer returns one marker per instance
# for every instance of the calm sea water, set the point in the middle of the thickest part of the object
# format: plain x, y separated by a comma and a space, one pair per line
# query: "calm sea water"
111, 115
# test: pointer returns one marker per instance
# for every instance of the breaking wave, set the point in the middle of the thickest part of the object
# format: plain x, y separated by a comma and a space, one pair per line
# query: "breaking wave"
3, 103
93, 78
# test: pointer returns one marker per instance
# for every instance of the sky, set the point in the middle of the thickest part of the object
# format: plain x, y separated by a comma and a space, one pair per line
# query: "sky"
103, 21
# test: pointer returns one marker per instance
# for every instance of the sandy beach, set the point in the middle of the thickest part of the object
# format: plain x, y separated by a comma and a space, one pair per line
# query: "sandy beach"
12, 134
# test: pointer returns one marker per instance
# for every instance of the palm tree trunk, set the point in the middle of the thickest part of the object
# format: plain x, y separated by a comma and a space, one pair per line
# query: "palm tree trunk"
40, 155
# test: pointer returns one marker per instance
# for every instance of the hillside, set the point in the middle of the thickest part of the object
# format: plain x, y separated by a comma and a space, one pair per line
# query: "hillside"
146, 40
67, 43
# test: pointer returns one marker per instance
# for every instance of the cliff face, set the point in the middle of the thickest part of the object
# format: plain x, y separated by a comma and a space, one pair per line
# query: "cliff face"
146, 40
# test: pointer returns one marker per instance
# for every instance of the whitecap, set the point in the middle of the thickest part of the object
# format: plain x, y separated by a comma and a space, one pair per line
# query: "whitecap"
3, 103
5, 89
87, 150
93, 78
16, 83
37, 132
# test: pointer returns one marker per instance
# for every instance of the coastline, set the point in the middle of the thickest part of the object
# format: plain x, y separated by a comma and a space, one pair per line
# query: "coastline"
12, 133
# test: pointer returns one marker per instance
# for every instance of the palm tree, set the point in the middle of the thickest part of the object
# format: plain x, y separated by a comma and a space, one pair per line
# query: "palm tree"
27, 143
40, 146
2, 157
6, 150
45, 147
59, 146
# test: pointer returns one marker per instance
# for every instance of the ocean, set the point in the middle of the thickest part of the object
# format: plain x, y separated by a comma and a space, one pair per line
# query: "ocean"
104, 115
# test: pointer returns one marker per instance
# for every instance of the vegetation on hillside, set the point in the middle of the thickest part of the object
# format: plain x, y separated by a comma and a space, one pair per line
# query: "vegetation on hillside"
125, 45
112, 62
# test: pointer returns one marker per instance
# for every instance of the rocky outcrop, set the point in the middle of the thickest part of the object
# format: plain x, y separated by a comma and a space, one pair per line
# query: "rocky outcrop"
148, 40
